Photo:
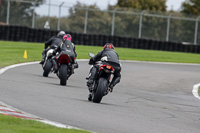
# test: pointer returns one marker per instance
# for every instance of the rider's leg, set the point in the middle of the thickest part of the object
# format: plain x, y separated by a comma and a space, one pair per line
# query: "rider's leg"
55, 65
44, 55
115, 80
93, 72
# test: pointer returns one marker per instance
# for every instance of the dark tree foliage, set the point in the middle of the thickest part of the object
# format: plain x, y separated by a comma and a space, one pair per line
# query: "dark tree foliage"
153, 5
191, 7
20, 12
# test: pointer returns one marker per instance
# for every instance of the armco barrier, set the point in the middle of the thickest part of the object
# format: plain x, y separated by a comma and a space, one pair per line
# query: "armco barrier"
26, 34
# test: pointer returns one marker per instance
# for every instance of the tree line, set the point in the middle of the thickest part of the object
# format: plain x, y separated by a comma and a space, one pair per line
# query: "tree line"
99, 22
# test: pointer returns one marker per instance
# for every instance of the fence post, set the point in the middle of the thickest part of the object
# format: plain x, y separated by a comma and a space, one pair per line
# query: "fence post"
196, 30
58, 28
8, 12
140, 24
168, 27
86, 19
49, 9
113, 22
33, 18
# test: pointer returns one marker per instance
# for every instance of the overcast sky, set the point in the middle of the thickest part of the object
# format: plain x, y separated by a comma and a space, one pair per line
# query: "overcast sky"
43, 10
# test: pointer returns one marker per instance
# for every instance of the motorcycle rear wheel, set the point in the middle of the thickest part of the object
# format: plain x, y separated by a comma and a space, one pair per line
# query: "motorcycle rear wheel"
47, 68
101, 88
63, 74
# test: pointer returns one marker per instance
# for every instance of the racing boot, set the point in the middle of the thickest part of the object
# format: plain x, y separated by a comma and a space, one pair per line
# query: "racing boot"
75, 64
42, 61
72, 69
113, 83
90, 97
43, 58
110, 87
55, 66
92, 76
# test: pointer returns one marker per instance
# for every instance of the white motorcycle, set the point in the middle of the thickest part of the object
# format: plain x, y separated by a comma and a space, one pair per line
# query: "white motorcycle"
48, 65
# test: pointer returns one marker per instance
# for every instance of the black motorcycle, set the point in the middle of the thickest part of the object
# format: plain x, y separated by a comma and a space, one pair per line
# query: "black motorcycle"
65, 67
99, 88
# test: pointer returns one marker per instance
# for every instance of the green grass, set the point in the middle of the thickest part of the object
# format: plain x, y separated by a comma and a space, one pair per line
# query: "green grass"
199, 91
13, 52
9, 124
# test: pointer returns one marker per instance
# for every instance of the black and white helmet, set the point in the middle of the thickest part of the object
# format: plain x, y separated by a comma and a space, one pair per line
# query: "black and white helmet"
61, 34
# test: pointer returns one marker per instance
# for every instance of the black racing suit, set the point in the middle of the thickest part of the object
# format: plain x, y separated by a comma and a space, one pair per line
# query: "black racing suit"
66, 46
52, 43
112, 59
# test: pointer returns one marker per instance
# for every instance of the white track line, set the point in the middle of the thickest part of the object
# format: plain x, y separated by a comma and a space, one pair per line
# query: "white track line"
195, 90
2, 70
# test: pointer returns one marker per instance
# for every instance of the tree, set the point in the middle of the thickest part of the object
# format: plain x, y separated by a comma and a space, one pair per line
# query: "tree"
20, 12
152, 26
191, 7
98, 22
151, 5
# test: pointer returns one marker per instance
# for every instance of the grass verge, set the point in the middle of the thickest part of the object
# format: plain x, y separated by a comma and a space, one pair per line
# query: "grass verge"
9, 124
199, 91
13, 52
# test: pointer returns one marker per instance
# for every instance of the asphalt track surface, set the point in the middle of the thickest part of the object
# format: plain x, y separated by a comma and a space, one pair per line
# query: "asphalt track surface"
151, 98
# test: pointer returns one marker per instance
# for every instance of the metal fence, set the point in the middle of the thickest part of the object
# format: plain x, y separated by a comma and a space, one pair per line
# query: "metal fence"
164, 26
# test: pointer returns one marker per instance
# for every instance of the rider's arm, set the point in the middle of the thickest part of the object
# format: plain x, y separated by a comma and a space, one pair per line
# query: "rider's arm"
57, 48
117, 55
98, 56
74, 49
48, 43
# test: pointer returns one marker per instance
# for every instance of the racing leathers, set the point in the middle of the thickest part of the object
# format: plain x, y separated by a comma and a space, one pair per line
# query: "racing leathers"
66, 46
112, 59
52, 43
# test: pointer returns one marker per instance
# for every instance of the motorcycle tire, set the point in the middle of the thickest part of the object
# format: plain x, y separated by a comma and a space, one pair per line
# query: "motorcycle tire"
101, 88
47, 68
63, 74
90, 97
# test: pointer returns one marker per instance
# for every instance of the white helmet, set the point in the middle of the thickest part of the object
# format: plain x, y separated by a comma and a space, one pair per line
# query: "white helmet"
61, 34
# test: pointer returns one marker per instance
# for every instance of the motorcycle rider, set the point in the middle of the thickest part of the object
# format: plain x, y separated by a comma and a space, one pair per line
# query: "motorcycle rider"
66, 44
69, 38
110, 57
52, 43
